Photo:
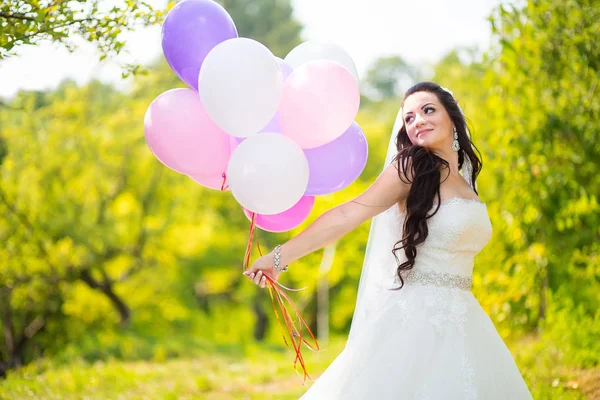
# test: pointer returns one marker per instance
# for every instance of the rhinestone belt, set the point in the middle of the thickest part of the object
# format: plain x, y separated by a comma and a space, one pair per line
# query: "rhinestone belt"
440, 279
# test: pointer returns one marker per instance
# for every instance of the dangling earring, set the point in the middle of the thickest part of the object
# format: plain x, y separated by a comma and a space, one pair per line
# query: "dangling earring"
455, 144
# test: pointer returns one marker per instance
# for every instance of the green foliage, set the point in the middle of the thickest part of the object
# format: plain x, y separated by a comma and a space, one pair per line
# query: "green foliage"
389, 77
3, 149
270, 22
97, 230
241, 372
532, 102
572, 331
27, 22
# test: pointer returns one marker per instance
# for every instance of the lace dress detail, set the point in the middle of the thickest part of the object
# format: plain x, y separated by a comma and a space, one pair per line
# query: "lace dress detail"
448, 310
469, 374
461, 200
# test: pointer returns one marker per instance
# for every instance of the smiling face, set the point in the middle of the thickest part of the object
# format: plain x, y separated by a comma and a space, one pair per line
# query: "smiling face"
427, 122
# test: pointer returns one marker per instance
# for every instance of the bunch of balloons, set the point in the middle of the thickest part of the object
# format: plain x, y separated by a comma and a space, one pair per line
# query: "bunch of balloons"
275, 132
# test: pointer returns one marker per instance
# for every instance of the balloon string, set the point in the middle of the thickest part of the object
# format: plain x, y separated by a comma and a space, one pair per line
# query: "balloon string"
223, 187
279, 299
249, 245
294, 333
258, 246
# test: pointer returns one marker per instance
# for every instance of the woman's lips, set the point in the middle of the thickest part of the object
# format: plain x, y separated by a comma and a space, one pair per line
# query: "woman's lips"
421, 133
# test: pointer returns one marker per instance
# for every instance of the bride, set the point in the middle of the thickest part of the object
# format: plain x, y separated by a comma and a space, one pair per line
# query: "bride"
417, 332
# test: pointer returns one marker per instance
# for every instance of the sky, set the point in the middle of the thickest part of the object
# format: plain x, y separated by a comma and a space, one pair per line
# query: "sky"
421, 32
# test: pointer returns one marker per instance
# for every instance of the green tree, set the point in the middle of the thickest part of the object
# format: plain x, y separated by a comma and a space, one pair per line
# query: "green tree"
92, 224
533, 101
547, 108
82, 203
27, 22
270, 22
389, 77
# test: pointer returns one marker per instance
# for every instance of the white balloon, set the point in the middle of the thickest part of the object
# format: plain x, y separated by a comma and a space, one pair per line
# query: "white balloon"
240, 85
268, 173
317, 50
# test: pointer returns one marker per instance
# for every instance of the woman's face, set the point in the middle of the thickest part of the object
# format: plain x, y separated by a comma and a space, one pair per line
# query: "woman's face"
427, 121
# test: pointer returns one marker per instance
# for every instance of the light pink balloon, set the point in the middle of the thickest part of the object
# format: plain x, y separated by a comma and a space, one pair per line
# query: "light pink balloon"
287, 220
320, 101
214, 181
183, 137
211, 182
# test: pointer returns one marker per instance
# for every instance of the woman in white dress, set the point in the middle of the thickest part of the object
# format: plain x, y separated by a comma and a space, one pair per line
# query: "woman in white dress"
417, 332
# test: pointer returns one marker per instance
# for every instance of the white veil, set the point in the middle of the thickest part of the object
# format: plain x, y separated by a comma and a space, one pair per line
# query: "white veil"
379, 267
379, 260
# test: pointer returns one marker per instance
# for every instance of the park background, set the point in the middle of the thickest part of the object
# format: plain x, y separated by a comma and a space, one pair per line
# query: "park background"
120, 278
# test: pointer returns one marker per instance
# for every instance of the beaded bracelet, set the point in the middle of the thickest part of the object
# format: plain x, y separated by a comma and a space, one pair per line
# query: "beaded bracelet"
276, 259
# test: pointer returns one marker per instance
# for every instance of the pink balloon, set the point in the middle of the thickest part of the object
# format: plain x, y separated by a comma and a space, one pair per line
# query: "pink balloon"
183, 137
287, 220
211, 182
216, 182
319, 102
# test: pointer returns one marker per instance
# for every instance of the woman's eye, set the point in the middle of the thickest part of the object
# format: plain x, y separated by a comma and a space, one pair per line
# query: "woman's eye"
429, 108
407, 120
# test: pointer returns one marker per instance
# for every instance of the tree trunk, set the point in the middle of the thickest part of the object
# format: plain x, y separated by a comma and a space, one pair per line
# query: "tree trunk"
543, 293
107, 288
120, 306
262, 320
9, 332
10, 343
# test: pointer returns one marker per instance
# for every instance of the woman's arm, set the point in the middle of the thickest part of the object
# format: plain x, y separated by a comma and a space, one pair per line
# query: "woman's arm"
387, 190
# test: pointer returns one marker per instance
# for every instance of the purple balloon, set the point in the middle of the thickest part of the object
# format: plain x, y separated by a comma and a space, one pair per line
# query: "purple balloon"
190, 31
337, 164
285, 68
273, 125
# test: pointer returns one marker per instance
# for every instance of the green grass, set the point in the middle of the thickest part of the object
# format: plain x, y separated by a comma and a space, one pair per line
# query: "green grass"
549, 377
256, 372
250, 372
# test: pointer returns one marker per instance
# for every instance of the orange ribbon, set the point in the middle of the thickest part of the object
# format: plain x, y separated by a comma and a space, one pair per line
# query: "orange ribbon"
294, 333
279, 297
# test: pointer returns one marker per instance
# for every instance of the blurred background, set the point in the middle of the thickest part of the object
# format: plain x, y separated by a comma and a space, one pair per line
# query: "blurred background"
120, 278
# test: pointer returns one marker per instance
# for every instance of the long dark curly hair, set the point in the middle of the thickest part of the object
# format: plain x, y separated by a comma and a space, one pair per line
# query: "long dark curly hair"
423, 170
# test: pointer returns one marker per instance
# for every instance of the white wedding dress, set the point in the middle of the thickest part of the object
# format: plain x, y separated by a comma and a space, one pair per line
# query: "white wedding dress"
431, 339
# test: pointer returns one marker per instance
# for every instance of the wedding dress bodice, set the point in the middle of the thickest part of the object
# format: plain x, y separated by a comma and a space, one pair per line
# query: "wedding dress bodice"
458, 231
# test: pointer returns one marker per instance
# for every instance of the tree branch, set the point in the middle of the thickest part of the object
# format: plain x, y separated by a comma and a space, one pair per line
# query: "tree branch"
7, 323
107, 289
85, 276
30, 331
4, 104
51, 28
22, 17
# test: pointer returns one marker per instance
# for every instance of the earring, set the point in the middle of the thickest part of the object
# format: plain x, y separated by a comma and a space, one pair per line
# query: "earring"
455, 144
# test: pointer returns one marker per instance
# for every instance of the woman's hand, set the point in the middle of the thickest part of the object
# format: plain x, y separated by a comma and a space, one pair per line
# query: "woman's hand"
262, 266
